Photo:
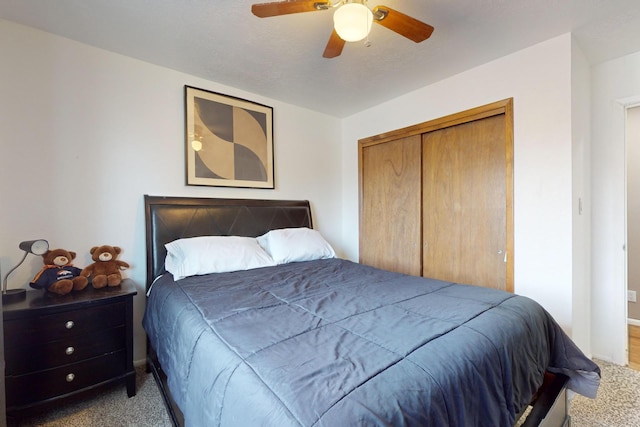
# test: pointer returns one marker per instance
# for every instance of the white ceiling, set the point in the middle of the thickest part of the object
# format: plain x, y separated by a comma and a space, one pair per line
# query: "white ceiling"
281, 57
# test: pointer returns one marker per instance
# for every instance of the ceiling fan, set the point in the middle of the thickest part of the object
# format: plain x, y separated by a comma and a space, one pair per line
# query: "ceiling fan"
352, 20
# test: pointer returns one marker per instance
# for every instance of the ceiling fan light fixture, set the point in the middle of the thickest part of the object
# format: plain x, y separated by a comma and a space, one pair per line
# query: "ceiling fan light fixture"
352, 21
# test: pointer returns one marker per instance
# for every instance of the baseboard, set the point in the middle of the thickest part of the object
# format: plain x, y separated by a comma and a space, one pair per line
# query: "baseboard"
634, 322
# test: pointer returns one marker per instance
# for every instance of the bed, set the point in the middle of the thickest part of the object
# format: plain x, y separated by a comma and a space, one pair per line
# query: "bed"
321, 341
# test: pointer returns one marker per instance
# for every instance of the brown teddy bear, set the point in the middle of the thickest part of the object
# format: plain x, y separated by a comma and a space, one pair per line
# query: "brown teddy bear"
58, 275
105, 270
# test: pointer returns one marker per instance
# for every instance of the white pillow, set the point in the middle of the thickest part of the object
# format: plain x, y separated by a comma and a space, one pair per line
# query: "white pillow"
295, 244
214, 254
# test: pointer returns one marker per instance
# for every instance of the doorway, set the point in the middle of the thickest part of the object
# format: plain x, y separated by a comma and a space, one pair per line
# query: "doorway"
632, 138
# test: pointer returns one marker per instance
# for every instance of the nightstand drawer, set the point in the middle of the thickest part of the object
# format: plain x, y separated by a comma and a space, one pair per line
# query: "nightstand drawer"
38, 330
50, 383
23, 359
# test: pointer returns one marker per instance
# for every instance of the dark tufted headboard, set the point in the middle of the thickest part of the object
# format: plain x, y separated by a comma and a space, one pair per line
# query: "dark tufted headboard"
171, 218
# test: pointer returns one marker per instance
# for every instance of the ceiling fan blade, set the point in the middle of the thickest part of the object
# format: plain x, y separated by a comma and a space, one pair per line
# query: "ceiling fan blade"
334, 46
402, 24
265, 10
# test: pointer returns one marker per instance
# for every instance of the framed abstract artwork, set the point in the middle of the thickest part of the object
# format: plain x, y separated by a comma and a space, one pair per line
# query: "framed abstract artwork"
229, 141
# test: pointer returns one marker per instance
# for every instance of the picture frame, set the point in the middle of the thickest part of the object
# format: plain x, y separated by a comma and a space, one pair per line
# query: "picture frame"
228, 141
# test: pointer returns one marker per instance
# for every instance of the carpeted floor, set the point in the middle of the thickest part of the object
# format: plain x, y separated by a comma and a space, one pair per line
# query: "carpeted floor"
617, 405
618, 401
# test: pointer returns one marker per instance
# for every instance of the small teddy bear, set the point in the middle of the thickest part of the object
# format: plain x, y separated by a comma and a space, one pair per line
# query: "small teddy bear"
105, 270
58, 275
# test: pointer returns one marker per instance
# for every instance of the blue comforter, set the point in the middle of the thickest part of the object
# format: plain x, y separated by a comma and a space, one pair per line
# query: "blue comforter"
334, 343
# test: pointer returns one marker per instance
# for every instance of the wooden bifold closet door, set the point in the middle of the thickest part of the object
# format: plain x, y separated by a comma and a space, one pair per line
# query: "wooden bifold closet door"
390, 234
436, 199
464, 209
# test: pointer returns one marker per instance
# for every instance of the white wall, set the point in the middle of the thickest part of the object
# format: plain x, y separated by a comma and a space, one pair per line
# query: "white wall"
581, 200
85, 133
539, 80
615, 84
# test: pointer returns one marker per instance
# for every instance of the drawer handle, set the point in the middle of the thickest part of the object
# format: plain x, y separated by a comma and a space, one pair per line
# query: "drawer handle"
69, 324
69, 351
70, 377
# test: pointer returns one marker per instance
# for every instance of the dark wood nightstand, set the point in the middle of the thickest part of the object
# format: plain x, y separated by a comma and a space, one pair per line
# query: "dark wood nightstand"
59, 346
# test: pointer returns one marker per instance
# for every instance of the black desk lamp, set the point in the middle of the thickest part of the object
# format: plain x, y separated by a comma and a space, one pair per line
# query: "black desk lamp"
36, 247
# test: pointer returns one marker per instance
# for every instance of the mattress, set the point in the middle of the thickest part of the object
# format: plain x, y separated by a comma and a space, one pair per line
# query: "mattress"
331, 342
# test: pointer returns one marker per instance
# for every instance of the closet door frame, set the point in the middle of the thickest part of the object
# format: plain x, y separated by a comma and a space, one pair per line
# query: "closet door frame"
496, 108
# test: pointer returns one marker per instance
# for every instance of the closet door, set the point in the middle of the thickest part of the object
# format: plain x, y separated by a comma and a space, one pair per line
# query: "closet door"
390, 179
465, 203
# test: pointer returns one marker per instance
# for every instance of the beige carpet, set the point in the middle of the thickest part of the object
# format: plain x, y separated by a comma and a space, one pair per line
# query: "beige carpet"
617, 405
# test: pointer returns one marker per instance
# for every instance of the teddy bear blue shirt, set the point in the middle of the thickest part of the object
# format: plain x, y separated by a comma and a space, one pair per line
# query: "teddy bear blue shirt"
53, 273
